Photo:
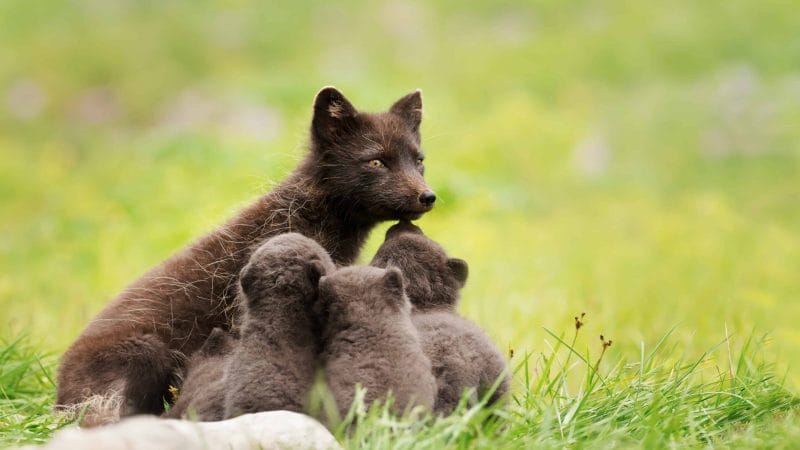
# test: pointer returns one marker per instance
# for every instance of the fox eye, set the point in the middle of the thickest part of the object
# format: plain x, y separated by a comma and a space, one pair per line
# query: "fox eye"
376, 164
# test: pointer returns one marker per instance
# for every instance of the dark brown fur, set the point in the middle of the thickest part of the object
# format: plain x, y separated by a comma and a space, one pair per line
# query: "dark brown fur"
461, 354
273, 365
135, 346
369, 340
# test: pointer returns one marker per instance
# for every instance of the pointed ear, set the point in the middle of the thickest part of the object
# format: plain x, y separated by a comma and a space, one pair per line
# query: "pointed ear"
320, 306
215, 343
246, 278
409, 108
333, 114
315, 270
325, 287
459, 269
393, 280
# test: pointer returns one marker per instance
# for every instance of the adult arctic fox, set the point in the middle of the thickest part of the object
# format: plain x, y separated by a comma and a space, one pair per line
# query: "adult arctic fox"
361, 169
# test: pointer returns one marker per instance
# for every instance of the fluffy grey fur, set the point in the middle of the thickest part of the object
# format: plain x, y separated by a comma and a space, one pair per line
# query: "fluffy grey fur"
369, 340
202, 394
462, 355
432, 279
273, 364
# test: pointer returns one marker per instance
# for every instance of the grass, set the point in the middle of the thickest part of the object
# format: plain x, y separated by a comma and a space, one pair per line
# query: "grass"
27, 391
637, 161
661, 399
565, 396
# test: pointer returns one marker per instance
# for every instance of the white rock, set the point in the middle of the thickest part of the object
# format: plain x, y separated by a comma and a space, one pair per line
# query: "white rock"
265, 430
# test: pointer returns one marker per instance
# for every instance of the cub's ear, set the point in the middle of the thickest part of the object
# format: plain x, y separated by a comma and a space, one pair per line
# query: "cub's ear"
325, 294
315, 270
325, 286
409, 108
459, 269
393, 280
216, 342
333, 114
247, 277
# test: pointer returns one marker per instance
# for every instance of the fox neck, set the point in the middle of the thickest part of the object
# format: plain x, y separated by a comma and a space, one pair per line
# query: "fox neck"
302, 204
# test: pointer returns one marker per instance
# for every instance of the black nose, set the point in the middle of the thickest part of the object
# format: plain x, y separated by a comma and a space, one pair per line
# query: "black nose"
427, 198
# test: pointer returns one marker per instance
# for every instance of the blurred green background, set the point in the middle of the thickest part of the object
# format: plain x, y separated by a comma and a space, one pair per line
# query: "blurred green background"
639, 161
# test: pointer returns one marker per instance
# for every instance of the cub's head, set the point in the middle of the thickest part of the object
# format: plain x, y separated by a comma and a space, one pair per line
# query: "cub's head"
371, 165
287, 264
433, 280
362, 294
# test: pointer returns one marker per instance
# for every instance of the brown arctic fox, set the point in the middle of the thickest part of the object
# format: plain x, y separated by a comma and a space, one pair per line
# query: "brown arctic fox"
461, 354
361, 169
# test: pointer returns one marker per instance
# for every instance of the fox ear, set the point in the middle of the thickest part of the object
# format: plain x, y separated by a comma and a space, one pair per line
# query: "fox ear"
333, 114
215, 343
325, 287
315, 270
246, 277
409, 108
393, 280
324, 296
459, 269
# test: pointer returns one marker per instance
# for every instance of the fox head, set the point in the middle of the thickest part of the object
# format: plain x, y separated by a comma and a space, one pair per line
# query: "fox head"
433, 279
371, 164
361, 293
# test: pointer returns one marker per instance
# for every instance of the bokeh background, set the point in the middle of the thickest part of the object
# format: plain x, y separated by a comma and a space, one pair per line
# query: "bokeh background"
637, 161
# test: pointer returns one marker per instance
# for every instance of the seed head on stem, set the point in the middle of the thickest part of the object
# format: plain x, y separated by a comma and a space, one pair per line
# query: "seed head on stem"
579, 321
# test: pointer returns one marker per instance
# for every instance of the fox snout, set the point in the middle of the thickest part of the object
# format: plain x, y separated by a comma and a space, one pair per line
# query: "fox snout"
427, 198
414, 199
420, 196
415, 185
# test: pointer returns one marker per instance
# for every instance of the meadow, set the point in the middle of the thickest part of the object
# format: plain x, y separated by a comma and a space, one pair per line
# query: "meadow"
635, 161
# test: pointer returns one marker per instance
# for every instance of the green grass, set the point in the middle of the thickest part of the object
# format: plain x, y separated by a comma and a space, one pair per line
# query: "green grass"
637, 161
663, 398
26, 393
565, 396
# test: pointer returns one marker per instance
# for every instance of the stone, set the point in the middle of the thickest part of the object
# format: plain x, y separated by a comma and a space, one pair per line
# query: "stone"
264, 430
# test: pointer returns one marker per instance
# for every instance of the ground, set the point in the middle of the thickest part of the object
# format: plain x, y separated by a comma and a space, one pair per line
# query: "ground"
636, 162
